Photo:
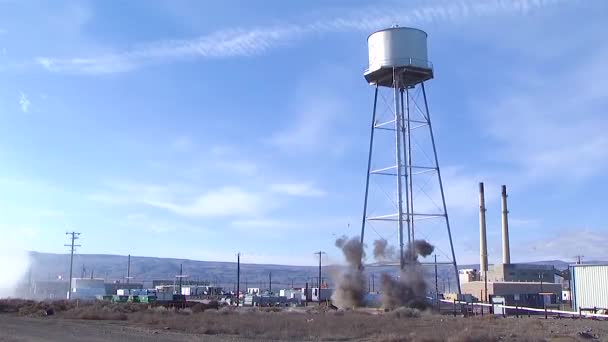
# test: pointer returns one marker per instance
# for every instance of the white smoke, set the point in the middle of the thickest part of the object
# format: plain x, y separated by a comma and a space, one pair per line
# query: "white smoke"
14, 266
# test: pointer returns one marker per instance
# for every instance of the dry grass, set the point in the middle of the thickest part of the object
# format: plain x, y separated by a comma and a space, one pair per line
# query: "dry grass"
105, 311
402, 324
34, 308
266, 324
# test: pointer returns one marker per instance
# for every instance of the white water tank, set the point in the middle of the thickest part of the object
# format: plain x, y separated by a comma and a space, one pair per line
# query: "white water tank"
398, 50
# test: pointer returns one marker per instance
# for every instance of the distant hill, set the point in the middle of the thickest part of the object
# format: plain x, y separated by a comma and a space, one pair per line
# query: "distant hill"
48, 266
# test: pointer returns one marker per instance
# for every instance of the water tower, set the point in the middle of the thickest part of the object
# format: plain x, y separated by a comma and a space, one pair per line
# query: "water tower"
402, 150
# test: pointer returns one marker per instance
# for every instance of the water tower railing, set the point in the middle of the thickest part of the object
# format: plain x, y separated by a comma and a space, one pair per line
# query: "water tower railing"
402, 62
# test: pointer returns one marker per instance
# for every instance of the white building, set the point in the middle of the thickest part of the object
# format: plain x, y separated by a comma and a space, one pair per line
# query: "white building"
86, 288
467, 275
314, 294
253, 290
291, 293
589, 286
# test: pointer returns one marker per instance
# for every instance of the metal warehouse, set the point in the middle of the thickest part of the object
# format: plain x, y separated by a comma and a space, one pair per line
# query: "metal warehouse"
589, 285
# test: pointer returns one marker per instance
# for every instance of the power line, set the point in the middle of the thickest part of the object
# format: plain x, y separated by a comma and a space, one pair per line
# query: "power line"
74, 236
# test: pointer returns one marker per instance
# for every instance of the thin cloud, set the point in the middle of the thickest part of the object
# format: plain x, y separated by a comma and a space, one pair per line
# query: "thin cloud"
562, 245
246, 42
298, 189
24, 102
228, 201
552, 145
182, 143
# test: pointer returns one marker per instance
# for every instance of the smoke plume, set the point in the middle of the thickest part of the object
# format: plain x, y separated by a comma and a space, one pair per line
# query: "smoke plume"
410, 288
14, 264
350, 283
384, 252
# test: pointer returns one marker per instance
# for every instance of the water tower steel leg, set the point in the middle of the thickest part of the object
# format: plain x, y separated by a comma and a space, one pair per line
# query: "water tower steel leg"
409, 163
369, 164
406, 176
398, 127
445, 210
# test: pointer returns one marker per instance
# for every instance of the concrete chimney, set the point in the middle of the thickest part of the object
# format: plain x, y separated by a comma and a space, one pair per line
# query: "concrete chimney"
483, 244
506, 252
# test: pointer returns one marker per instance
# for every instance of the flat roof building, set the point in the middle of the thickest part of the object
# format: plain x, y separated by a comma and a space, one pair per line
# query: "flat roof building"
531, 294
522, 273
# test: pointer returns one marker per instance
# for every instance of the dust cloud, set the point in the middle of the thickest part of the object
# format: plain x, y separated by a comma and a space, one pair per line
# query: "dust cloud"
351, 282
14, 264
384, 252
408, 290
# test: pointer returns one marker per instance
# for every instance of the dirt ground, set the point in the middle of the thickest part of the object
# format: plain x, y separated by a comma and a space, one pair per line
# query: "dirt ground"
298, 327
23, 320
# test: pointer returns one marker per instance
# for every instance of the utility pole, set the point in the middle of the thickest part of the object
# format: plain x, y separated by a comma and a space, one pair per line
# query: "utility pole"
579, 259
128, 268
181, 274
238, 277
74, 236
436, 280
269, 282
374, 282
320, 253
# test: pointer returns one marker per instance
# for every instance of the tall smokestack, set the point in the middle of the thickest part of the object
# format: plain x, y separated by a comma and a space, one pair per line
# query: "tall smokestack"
506, 252
483, 244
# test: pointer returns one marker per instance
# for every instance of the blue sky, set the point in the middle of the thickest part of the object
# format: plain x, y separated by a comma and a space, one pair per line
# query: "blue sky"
195, 129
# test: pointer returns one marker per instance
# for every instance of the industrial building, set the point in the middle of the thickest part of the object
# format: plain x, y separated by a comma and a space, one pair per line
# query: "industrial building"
292, 293
316, 295
589, 287
87, 288
112, 288
531, 294
521, 272
530, 285
49, 289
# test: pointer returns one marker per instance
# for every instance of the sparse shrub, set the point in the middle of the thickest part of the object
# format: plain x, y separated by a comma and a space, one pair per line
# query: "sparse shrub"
225, 310
96, 313
339, 312
246, 309
185, 311
405, 312
201, 307
469, 335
